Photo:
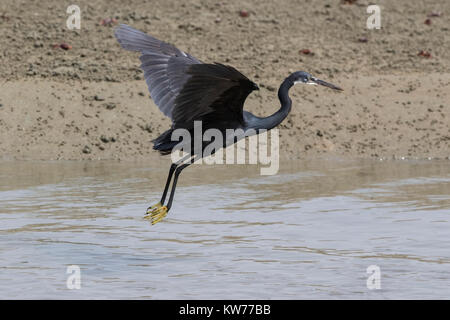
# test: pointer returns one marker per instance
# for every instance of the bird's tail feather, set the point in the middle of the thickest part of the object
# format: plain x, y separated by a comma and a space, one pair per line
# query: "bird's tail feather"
164, 143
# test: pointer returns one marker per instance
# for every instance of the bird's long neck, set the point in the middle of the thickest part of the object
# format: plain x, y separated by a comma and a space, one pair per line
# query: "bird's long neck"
286, 103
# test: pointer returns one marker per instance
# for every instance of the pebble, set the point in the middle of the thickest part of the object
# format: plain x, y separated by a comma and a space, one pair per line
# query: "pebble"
110, 105
244, 13
104, 139
305, 51
86, 150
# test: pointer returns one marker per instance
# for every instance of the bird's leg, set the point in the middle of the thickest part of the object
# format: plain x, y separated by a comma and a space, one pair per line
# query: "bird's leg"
166, 188
155, 207
161, 212
174, 185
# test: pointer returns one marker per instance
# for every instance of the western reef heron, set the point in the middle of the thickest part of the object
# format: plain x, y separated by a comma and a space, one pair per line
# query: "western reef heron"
186, 90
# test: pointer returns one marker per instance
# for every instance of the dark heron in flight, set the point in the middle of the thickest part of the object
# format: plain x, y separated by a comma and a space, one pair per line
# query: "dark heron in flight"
186, 90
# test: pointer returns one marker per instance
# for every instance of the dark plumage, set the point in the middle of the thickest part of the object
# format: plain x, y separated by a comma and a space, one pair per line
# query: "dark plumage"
186, 90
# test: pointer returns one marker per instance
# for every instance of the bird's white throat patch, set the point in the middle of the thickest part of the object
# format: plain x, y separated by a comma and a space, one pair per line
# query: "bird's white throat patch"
301, 82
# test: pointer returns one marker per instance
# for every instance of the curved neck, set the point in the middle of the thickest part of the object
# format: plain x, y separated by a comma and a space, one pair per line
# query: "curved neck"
286, 103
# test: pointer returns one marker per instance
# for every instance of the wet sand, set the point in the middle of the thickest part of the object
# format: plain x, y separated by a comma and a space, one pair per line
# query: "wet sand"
54, 121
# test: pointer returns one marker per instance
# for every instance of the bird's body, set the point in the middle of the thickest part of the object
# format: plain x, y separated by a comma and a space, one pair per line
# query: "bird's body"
188, 90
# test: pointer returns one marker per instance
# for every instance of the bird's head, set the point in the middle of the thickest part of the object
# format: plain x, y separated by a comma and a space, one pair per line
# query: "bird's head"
306, 78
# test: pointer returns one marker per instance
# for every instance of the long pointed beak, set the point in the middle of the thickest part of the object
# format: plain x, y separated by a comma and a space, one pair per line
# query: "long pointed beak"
326, 84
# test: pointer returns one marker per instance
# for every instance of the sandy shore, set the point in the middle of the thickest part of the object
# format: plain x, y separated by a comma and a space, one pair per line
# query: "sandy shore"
90, 102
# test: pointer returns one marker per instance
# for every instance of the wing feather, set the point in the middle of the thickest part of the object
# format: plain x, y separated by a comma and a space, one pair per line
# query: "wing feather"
184, 88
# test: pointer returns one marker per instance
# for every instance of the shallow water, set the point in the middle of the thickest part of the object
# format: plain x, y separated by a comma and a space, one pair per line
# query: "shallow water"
309, 232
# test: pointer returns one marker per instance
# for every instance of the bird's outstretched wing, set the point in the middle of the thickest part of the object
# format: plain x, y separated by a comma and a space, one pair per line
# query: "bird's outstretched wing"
183, 87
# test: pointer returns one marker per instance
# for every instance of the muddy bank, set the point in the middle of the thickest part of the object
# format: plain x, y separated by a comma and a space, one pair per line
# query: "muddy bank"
380, 116
90, 101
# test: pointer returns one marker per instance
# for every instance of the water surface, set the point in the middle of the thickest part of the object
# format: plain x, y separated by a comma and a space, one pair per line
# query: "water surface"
309, 232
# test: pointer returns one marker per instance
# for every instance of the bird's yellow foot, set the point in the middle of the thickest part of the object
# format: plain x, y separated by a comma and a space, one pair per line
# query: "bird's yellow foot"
157, 214
153, 208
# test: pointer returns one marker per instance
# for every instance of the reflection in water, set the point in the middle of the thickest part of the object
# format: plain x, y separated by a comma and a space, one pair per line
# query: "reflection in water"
309, 232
